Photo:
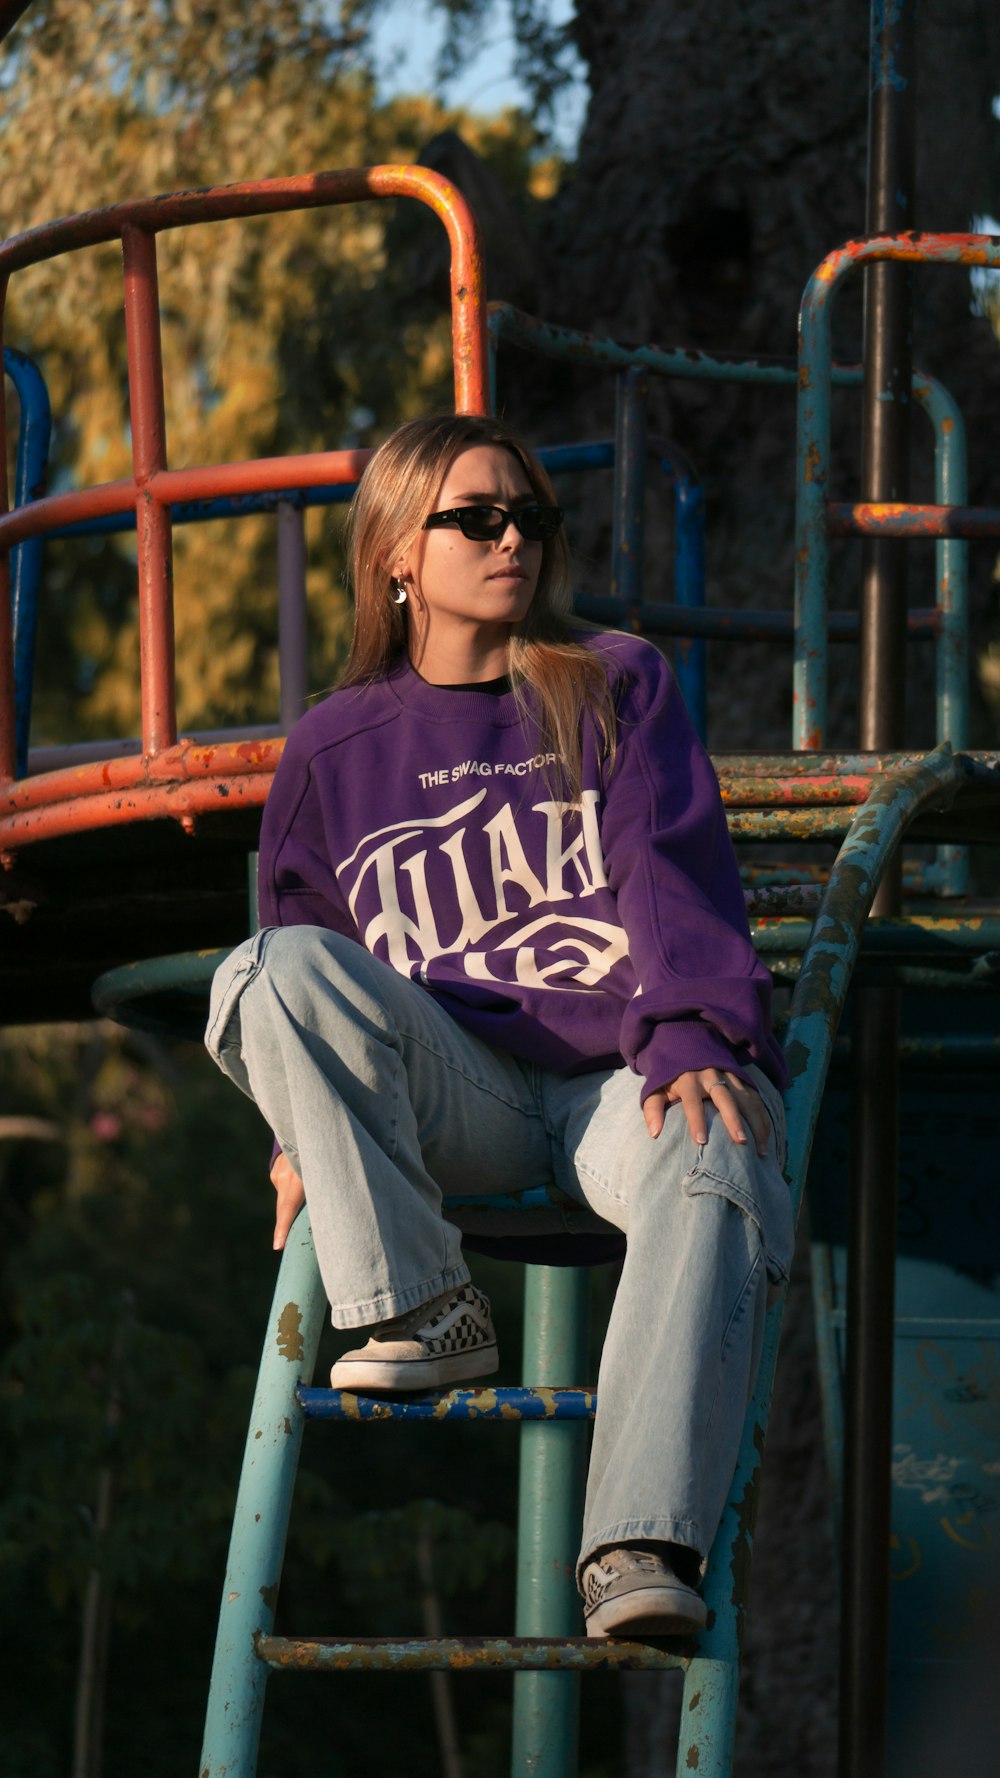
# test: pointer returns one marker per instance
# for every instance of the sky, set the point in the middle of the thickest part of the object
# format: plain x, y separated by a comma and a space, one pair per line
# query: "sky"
407, 40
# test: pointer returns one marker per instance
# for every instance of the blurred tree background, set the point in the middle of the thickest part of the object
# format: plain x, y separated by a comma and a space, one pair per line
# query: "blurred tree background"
288, 333
137, 1228
722, 155
135, 1205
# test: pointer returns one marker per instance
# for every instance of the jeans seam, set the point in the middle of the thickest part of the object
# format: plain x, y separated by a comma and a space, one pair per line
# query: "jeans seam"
392, 1149
480, 1085
739, 1306
737, 1311
249, 966
602, 1184
619, 1528
435, 1280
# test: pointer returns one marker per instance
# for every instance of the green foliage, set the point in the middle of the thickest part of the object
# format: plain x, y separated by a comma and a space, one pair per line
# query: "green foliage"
286, 333
135, 1289
136, 1217
384, 1545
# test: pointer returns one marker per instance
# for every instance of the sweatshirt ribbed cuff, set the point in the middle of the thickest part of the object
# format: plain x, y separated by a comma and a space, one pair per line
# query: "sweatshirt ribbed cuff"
680, 1047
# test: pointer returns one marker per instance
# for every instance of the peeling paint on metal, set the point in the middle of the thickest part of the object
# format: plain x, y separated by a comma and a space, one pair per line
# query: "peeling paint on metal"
290, 1333
517, 1654
901, 519
152, 489
495, 1405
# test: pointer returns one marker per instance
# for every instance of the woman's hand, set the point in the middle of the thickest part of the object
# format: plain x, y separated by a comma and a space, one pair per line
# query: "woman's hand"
736, 1103
291, 1197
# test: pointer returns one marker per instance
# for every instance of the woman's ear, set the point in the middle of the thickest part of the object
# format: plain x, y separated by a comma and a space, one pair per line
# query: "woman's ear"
400, 567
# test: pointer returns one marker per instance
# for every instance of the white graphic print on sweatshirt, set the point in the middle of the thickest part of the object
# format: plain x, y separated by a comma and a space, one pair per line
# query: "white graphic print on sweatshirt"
408, 864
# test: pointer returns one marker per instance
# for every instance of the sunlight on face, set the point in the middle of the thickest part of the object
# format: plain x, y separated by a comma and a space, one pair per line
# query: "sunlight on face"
457, 581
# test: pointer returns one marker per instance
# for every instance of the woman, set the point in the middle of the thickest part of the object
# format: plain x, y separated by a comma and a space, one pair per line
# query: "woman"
504, 944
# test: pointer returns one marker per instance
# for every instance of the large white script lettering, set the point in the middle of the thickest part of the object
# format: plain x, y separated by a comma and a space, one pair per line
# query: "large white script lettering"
590, 948
417, 895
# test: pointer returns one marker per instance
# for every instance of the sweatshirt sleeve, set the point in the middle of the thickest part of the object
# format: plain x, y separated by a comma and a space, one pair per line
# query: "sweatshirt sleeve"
703, 998
296, 876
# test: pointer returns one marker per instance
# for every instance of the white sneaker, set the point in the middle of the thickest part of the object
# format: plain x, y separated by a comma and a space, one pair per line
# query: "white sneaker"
631, 1592
447, 1340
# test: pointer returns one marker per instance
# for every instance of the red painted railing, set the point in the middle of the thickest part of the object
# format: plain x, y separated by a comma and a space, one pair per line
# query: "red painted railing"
170, 779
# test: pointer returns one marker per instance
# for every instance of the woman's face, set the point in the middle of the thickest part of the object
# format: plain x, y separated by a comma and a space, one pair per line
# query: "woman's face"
454, 580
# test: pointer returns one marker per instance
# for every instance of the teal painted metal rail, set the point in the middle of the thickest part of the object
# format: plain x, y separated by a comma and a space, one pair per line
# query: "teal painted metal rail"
813, 624
815, 378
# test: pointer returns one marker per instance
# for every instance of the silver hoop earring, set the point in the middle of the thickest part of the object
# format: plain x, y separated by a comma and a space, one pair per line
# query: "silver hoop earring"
399, 589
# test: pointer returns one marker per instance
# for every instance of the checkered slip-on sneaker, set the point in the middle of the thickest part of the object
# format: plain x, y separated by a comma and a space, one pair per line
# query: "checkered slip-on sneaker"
636, 1593
444, 1341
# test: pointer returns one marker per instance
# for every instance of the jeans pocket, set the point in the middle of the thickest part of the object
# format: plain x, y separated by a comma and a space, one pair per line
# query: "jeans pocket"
228, 983
755, 1185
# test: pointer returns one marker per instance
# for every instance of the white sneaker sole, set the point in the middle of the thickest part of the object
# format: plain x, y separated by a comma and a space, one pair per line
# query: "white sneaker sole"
373, 1376
649, 1611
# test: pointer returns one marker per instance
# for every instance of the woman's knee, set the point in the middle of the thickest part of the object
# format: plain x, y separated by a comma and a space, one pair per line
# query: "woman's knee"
316, 974
292, 953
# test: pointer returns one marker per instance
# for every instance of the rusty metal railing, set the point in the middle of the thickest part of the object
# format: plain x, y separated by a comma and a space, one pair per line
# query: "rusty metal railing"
167, 778
816, 518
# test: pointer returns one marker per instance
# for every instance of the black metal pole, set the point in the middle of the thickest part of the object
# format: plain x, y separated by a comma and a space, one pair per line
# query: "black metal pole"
864, 1649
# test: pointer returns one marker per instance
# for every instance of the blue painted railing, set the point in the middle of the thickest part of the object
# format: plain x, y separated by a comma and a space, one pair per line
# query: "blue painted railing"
33, 438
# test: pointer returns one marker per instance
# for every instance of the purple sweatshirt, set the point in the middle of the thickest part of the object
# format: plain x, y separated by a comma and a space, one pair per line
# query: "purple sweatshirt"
420, 822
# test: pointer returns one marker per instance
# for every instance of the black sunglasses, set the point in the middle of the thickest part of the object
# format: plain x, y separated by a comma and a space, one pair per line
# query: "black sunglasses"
485, 524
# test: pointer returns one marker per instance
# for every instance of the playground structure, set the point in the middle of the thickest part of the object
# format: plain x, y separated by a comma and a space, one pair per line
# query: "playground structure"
206, 796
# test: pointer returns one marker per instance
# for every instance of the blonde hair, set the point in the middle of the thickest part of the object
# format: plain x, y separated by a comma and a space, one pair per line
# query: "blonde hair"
394, 496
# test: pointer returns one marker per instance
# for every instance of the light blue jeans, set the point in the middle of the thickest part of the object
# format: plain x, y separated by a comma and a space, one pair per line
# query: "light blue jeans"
383, 1103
